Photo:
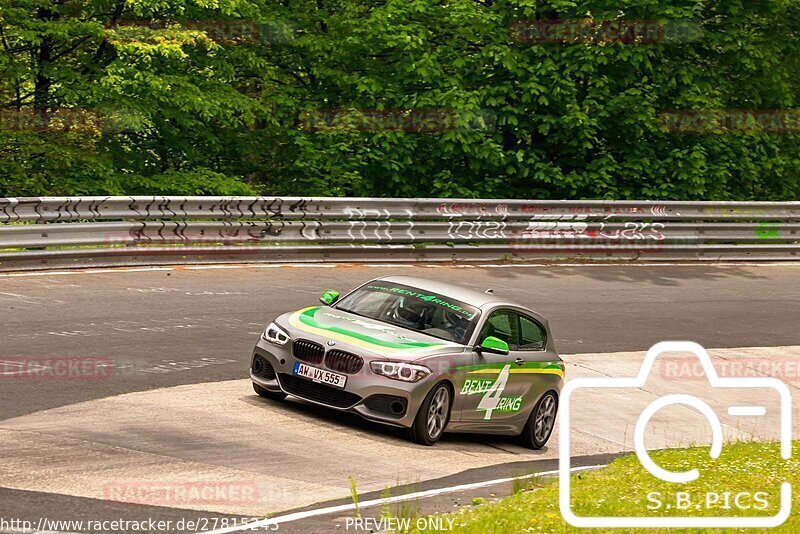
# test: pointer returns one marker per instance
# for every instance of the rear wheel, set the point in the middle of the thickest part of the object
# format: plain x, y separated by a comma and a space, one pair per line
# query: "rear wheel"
541, 422
267, 394
432, 417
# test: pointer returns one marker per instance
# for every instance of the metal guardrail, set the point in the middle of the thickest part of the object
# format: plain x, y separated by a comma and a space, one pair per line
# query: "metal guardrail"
235, 208
38, 233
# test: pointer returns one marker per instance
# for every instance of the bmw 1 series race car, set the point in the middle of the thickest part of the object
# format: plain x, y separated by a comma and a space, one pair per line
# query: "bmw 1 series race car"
427, 356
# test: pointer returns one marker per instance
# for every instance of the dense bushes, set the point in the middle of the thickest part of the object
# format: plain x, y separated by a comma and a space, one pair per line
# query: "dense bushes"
283, 98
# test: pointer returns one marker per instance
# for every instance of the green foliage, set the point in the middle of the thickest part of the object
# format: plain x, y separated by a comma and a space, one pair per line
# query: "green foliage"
354, 495
224, 97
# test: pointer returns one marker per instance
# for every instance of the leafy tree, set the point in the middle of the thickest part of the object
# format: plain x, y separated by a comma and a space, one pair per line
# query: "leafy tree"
98, 99
284, 97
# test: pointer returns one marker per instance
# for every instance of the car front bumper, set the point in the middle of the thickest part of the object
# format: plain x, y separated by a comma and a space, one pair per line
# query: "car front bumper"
374, 397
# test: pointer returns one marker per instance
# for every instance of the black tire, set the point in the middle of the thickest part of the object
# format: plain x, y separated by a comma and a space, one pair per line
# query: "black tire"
425, 432
541, 422
267, 394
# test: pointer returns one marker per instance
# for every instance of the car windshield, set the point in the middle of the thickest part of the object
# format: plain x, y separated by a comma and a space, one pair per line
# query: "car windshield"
414, 309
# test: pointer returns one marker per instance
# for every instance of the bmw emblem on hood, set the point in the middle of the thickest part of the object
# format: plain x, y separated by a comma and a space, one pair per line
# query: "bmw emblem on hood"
331, 343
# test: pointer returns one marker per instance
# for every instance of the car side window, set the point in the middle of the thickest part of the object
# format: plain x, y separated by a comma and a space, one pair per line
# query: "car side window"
531, 334
503, 325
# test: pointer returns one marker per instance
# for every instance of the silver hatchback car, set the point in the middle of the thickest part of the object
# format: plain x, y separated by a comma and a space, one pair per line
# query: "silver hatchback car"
423, 355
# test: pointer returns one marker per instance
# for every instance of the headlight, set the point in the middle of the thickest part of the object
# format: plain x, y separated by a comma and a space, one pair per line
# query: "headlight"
407, 372
275, 334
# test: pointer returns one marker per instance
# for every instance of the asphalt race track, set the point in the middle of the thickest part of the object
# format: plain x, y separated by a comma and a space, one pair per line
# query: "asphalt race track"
176, 406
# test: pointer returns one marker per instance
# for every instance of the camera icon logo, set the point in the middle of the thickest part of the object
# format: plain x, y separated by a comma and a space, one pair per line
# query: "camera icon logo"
677, 477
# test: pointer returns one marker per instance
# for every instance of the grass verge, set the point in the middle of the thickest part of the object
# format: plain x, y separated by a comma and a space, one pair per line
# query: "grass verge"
753, 471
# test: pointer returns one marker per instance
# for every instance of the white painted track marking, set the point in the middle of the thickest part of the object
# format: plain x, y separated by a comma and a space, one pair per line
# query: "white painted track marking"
387, 500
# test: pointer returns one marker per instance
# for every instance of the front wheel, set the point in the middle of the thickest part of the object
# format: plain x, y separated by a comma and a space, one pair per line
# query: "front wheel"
267, 394
541, 422
432, 417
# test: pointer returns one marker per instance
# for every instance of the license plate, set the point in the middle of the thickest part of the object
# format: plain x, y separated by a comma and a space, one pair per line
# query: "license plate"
320, 375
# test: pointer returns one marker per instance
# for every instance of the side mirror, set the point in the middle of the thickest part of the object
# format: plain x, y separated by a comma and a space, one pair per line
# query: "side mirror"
494, 345
329, 297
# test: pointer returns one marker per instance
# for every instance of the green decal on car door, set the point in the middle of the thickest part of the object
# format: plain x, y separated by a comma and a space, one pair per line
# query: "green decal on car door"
491, 399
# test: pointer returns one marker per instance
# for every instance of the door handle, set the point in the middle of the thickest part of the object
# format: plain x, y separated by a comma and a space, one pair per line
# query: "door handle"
519, 361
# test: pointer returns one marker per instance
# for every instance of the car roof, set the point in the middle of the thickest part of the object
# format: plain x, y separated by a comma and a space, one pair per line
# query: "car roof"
469, 296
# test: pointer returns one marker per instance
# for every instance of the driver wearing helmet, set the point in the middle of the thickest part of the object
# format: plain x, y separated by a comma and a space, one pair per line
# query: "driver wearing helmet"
411, 313
456, 324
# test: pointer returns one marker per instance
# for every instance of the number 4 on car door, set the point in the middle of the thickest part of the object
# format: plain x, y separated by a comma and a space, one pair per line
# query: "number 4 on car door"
491, 398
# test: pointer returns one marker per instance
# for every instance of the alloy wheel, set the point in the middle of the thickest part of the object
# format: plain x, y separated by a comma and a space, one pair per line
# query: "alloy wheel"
437, 412
545, 418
